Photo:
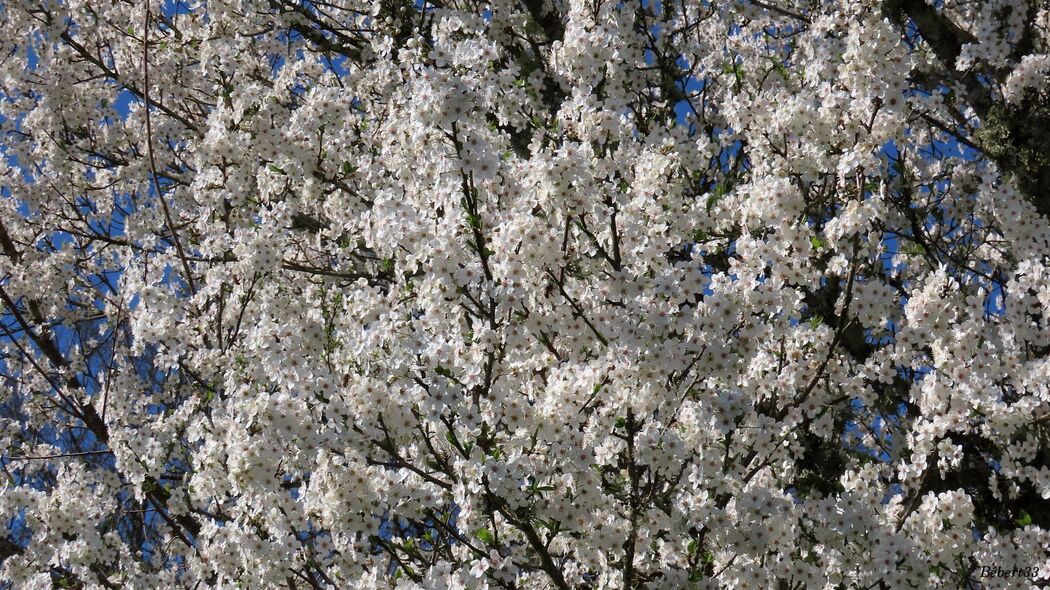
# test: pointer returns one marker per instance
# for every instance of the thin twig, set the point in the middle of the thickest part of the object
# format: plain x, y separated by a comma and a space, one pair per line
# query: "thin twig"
59, 455
152, 159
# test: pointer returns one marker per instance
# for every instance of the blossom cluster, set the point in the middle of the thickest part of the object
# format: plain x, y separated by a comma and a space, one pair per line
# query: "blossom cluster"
521, 294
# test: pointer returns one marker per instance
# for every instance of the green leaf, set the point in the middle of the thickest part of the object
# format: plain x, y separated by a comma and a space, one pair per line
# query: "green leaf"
694, 546
1025, 520
780, 68
913, 248
712, 200
816, 242
816, 321
484, 535
721, 190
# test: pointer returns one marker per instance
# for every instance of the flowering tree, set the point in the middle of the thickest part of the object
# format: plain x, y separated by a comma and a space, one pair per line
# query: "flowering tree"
525, 294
